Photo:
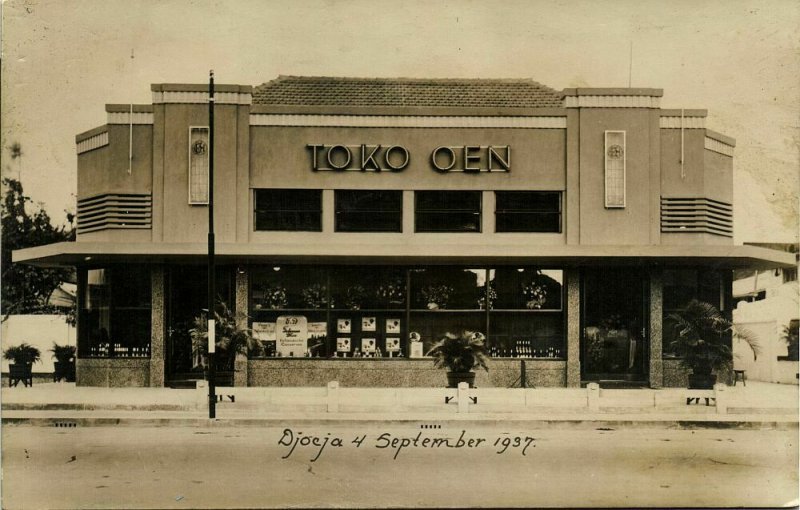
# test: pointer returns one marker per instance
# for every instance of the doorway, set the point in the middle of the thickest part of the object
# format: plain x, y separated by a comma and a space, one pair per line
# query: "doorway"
614, 319
187, 297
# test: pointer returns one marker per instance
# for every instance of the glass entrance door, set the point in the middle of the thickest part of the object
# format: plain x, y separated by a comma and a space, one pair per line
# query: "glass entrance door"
187, 296
614, 341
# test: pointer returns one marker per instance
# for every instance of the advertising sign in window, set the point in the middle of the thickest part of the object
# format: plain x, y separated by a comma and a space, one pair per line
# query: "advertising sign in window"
291, 333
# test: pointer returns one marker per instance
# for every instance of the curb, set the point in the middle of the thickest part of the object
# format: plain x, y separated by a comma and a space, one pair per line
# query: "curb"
574, 423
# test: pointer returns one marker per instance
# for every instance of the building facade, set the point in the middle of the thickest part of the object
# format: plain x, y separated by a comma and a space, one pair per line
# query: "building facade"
359, 220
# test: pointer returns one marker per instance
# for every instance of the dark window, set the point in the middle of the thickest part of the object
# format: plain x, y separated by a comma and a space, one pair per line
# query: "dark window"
288, 209
528, 211
116, 312
369, 211
448, 211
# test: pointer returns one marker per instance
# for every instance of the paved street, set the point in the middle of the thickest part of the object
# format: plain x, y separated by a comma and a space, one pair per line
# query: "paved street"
396, 465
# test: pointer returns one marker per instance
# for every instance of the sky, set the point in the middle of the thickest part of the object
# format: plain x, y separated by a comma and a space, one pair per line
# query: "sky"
63, 60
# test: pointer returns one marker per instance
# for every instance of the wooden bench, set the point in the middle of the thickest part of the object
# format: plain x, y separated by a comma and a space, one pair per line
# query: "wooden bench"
696, 395
454, 394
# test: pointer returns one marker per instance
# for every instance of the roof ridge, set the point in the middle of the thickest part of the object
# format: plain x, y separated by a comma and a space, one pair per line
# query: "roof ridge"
382, 91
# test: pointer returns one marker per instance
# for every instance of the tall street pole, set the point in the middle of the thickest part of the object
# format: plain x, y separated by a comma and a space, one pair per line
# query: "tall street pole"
212, 368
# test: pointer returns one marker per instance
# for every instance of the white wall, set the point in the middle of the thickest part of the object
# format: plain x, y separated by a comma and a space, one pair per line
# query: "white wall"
40, 331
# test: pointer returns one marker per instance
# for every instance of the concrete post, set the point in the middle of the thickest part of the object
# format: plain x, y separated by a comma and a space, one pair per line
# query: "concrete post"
721, 398
333, 397
573, 328
158, 339
201, 395
593, 396
463, 397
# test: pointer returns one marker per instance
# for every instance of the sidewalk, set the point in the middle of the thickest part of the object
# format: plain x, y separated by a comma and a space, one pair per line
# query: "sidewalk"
757, 405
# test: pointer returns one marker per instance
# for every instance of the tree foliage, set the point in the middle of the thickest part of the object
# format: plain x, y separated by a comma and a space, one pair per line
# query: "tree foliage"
25, 288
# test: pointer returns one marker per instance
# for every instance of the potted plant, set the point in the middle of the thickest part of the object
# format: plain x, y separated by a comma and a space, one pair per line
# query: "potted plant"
64, 366
792, 338
436, 296
230, 340
354, 297
460, 354
22, 358
700, 342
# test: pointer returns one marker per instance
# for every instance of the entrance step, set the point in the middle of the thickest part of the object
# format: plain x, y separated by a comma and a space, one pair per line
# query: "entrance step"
183, 384
616, 384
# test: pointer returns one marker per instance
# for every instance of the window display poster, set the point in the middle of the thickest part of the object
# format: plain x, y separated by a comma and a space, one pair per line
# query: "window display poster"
393, 326
367, 345
368, 323
343, 326
343, 344
291, 335
264, 331
392, 344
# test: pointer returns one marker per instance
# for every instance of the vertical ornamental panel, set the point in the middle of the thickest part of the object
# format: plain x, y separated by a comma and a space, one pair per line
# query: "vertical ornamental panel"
615, 169
198, 165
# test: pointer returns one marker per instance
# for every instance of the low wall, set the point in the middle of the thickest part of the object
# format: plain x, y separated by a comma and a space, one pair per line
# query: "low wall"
113, 373
676, 376
396, 373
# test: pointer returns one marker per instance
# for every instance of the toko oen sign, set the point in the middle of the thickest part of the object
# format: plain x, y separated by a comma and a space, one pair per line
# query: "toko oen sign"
395, 158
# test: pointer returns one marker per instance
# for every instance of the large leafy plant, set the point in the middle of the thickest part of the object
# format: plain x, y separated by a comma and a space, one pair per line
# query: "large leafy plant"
460, 353
230, 338
63, 353
701, 332
22, 354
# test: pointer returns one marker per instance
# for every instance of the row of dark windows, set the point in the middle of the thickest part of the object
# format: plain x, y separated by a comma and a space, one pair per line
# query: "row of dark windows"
382, 210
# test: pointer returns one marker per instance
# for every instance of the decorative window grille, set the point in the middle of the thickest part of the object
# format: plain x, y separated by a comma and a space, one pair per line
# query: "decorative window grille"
198, 165
615, 169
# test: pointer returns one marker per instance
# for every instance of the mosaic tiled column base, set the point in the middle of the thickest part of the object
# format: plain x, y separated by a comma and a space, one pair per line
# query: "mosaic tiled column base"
656, 330
240, 365
573, 328
157, 337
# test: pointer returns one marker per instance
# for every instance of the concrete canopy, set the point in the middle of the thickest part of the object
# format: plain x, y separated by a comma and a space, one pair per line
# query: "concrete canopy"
90, 253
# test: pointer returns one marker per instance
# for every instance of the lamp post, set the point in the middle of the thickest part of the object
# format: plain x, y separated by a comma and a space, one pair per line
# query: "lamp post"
212, 369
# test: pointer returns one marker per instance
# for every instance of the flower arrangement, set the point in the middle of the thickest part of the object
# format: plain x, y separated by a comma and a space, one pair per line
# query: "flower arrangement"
315, 296
535, 295
274, 297
391, 292
354, 297
492, 298
613, 321
436, 296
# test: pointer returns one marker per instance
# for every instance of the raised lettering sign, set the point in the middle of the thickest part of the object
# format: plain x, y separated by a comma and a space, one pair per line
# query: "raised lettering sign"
369, 158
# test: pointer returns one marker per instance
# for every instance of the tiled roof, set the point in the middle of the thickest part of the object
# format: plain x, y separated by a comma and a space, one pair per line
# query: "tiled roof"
326, 91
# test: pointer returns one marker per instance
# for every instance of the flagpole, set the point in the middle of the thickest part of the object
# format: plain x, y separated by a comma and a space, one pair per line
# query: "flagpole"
212, 372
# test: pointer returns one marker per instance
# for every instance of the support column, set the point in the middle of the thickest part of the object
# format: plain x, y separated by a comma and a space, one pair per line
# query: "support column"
656, 329
157, 325
242, 287
573, 328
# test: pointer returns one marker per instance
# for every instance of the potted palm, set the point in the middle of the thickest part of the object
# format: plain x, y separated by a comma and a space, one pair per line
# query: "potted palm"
701, 342
64, 366
22, 358
230, 339
460, 355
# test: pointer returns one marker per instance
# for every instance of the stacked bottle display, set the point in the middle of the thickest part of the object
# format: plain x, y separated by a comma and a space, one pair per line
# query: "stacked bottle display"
105, 350
523, 349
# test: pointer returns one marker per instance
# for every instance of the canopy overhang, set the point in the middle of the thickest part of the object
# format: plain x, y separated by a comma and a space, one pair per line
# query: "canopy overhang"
100, 253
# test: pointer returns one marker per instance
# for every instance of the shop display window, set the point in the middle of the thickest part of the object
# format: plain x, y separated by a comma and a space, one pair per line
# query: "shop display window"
528, 211
369, 211
288, 209
448, 288
116, 313
399, 312
447, 211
